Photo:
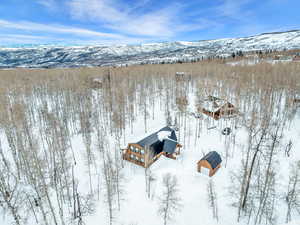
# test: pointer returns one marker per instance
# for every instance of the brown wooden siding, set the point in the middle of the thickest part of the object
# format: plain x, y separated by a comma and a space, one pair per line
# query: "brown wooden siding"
205, 164
127, 153
226, 110
215, 115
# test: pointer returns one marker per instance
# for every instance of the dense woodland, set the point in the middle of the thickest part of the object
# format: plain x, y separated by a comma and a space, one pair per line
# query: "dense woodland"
41, 171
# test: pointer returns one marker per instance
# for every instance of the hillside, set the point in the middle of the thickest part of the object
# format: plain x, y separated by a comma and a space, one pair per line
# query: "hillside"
80, 56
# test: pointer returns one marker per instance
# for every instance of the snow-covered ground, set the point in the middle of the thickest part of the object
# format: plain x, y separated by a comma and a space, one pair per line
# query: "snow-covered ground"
137, 208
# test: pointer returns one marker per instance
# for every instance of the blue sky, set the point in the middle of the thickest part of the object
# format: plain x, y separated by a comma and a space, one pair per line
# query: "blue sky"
140, 21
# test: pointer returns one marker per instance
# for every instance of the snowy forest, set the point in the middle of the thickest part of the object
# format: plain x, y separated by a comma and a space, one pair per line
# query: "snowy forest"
62, 132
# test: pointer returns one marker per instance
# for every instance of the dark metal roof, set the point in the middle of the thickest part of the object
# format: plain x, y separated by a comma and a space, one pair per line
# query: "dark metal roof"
169, 145
213, 158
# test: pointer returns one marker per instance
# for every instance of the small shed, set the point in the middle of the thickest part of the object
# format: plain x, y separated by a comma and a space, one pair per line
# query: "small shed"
209, 164
296, 57
182, 76
296, 102
148, 150
277, 57
217, 108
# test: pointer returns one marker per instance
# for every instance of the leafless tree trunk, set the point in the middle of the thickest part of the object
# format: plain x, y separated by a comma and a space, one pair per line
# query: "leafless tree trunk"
212, 199
267, 196
110, 193
149, 178
263, 133
170, 202
292, 197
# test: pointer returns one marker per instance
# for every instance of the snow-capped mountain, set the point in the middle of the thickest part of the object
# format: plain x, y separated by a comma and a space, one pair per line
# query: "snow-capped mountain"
51, 56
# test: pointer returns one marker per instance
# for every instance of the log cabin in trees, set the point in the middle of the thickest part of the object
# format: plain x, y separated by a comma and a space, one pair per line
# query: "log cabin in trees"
217, 108
296, 57
182, 76
148, 150
209, 164
296, 102
96, 82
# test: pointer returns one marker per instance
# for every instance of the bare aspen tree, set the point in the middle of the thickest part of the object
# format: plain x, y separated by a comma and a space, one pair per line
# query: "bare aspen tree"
148, 156
267, 194
292, 196
149, 178
288, 148
118, 176
260, 136
86, 129
169, 202
212, 199
109, 186
10, 197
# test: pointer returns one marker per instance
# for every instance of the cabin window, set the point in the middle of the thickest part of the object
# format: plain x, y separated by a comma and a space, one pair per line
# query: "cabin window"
131, 148
137, 150
142, 160
142, 151
137, 158
132, 156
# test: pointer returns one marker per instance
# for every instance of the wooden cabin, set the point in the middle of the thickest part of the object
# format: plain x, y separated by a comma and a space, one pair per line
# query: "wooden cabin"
277, 57
296, 102
283, 57
209, 164
95, 82
217, 108
145, 152
182, 76
99, 81
296, 58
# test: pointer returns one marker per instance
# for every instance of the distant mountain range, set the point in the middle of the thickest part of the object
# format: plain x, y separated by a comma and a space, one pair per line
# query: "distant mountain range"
82, 56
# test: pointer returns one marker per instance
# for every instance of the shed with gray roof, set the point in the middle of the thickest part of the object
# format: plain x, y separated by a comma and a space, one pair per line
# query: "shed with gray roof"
210, 163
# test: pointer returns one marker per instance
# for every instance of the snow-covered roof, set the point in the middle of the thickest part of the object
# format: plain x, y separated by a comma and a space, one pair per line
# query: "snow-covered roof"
166, 136
180, 73
97, 80
212, 103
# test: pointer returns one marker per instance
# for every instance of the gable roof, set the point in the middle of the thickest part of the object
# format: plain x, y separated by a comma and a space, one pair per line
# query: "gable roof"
212, 103
169, 143
213, 158
217, 108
